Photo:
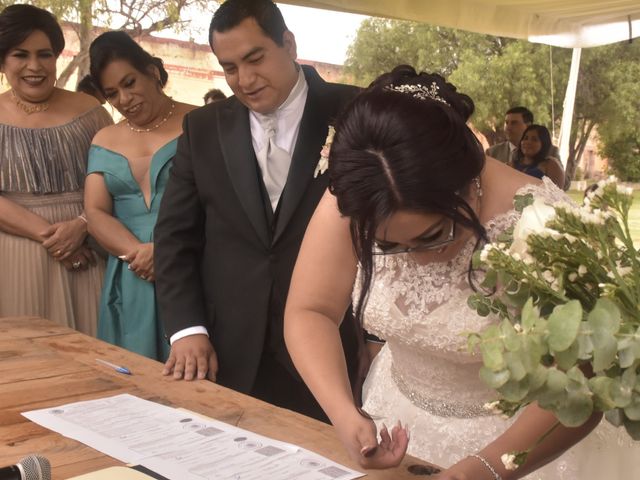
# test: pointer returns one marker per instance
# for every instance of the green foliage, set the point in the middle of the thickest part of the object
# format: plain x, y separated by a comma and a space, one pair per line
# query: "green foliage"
582, 274
500, 73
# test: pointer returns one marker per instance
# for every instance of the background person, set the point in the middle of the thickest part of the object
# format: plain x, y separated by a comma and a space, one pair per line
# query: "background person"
533, 156
516, 120
129, 166
47, 269
214, 95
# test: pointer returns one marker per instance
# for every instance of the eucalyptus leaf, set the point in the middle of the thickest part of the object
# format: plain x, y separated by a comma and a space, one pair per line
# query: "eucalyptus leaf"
605, 314
537, 378
556, 380
563, 325
585, 344
492, 355
601, 386
620, 394
629, 378
531, 352
494, 379
576, 410
510, 336
577, 380
604, 352
567, 358
615, 417
633, 428
515, 366
490, 280
514, 391
632, 411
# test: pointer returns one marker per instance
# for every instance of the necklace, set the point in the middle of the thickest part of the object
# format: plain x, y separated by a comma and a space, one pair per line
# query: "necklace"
157, 125
28, 107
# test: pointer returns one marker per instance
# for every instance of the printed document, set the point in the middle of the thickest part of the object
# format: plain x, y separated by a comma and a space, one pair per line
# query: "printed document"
180, 445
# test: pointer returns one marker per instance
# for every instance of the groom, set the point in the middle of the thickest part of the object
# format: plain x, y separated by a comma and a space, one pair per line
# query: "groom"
241, 192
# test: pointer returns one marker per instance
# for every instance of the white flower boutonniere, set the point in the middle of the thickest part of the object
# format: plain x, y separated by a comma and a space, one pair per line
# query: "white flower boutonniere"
323, 163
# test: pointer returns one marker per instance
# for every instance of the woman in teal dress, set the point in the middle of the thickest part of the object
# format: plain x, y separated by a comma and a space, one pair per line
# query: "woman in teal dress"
128, 169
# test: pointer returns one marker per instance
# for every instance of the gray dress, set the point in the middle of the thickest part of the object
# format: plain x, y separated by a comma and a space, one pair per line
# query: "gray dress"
43, 170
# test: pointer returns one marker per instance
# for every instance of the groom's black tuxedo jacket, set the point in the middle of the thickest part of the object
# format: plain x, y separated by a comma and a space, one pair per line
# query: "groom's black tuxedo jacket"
222, 259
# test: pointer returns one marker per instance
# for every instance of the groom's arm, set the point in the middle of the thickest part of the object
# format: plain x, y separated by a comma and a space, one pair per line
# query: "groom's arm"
179, 244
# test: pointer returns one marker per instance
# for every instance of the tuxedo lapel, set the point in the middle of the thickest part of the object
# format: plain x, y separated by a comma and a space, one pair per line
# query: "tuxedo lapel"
311, 136
238, 154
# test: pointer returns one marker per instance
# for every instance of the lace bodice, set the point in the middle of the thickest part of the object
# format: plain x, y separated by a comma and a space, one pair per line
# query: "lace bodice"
421, 311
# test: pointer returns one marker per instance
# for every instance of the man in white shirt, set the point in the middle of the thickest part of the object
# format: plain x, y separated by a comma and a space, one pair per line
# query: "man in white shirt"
516, 120
242, 189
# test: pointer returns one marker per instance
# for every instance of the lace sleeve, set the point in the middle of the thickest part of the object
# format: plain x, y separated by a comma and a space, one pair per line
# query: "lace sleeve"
548, 192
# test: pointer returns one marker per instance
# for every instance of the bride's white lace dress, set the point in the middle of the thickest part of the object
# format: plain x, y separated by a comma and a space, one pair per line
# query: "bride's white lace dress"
425, 377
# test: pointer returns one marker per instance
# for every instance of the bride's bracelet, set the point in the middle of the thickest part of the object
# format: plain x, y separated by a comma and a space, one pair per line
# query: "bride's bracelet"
495, 474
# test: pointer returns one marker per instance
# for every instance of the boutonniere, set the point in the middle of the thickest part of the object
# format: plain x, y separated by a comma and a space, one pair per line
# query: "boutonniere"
323, 163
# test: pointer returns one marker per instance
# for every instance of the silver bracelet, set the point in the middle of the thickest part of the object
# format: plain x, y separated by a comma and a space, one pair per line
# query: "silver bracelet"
83, 217
495, 474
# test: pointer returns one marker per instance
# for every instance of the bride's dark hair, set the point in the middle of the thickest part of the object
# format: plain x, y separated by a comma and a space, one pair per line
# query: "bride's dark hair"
403, 144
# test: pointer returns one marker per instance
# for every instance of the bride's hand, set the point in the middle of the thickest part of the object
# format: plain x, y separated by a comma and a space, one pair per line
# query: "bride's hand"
358, 434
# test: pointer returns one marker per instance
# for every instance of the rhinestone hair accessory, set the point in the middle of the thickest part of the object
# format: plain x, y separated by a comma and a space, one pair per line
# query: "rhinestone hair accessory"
419, 91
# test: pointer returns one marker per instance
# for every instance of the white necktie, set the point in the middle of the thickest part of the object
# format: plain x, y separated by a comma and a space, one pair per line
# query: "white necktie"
274, 161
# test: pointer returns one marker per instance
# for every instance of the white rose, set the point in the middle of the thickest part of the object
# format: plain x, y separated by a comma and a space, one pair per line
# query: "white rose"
533, 220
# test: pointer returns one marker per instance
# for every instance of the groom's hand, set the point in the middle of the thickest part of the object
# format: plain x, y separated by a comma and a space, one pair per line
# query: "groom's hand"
192, 357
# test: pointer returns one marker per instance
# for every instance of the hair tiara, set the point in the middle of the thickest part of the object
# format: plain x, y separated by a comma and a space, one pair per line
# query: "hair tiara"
419, 91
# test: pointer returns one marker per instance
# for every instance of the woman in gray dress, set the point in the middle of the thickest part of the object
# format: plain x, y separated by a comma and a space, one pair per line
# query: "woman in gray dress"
45, 132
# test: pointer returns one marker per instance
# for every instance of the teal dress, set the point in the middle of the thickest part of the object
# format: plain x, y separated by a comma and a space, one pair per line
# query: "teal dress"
128, 311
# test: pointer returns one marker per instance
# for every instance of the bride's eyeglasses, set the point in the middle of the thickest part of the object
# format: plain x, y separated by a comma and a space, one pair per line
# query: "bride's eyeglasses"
430, 241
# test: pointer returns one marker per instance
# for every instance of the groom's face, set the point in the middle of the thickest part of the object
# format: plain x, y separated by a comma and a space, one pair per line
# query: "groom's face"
260, 72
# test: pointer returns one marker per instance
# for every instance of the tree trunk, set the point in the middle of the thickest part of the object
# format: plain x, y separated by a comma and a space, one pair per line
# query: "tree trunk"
576, 149
81, 61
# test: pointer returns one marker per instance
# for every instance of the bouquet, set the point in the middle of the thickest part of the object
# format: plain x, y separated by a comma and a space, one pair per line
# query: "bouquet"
566, 286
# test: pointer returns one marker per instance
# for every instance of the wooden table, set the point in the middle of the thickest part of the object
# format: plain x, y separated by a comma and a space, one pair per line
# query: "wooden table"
43, 364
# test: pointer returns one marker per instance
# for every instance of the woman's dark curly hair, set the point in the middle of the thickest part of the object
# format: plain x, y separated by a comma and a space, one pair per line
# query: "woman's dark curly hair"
397, 148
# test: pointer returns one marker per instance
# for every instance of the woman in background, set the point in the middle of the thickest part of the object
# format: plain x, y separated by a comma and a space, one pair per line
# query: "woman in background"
128, 169
45, 132
533, 157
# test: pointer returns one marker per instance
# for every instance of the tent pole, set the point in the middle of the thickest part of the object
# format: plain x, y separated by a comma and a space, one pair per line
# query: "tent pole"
567, 108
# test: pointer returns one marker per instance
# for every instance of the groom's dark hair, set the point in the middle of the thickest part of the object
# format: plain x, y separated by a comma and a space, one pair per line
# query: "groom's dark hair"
264, 12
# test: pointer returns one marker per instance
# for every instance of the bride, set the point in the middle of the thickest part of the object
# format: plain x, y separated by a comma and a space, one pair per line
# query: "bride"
411, 197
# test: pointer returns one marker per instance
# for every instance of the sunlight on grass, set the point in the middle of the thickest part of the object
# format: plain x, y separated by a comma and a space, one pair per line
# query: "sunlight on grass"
634, 214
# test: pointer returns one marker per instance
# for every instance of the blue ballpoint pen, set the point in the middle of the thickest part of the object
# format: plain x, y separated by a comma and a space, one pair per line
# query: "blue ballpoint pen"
117, 368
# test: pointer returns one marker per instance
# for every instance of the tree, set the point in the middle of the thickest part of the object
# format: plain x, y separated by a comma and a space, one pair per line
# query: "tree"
501, 73
620, 130
496, 72
138, 17
382, 44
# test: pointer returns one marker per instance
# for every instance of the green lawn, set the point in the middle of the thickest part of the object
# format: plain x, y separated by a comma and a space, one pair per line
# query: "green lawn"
634, 214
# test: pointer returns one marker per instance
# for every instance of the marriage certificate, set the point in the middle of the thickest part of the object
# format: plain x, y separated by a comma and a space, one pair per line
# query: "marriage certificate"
182, 446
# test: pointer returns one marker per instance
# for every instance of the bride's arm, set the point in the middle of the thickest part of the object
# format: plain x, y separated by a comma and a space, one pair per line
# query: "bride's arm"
525, 432
319, 295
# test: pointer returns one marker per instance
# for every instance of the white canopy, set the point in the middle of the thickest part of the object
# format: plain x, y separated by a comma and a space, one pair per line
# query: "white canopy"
563, 23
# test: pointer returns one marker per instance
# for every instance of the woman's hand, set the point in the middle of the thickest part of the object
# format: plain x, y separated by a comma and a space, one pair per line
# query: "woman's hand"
358, 434
64, 238
141, 261
79, 260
